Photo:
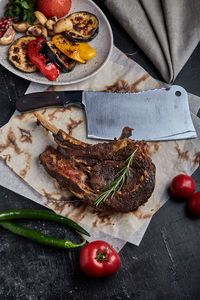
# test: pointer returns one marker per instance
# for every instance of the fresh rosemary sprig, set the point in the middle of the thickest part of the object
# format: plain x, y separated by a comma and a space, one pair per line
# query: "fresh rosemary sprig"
116, 185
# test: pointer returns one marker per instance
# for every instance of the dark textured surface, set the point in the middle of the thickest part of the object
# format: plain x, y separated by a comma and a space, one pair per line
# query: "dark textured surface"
165, 266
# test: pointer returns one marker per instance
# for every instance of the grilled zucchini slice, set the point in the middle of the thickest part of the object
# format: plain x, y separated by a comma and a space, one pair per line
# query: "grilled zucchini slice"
64, 63
18, 54
85, 27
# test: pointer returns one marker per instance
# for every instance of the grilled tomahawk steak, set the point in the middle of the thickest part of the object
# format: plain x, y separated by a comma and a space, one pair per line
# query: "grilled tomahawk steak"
86, 169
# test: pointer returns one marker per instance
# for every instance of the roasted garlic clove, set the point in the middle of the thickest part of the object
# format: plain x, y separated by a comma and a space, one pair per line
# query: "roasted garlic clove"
8, 36
63, 25
21, 27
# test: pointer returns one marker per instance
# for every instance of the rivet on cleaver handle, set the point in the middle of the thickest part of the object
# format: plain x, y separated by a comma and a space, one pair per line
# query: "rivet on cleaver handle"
34, 101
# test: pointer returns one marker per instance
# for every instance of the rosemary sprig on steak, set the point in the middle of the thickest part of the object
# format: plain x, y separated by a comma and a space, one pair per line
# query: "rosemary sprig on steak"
117, 184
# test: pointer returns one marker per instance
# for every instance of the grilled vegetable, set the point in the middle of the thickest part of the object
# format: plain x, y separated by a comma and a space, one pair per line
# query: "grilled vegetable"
85, 27
77, 51
37, 30
62, 25
40, 60
63, 62
50, 23
40, 17
18, 54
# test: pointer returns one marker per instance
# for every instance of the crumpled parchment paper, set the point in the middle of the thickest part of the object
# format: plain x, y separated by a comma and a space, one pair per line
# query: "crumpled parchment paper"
22, 140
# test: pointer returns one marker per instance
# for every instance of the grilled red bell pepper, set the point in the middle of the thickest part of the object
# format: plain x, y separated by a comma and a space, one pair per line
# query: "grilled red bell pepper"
40, 60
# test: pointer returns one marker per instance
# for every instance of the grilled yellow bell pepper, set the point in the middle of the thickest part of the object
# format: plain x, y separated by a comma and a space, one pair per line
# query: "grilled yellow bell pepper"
80, 52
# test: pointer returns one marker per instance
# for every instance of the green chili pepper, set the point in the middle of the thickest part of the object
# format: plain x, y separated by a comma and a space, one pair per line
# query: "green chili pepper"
40, 215
35, 235
39, 237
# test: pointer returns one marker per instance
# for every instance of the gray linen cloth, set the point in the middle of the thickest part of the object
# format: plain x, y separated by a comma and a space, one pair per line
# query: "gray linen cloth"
166, 30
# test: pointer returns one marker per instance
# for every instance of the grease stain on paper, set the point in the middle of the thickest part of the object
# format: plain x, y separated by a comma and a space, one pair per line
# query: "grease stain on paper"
11, 142
72, 125
122, 86
7, 157
196, 159
183, 155
24, 171
153, 148
54, 196
26, 136
58, 206
140, 215
104, 218
79, 215
53, 116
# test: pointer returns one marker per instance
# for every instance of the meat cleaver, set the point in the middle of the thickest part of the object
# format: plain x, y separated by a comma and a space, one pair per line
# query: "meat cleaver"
154, 115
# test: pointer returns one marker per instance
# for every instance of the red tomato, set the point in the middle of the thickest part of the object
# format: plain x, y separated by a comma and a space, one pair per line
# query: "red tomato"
194, 204
182, 186
99, 259
51, 8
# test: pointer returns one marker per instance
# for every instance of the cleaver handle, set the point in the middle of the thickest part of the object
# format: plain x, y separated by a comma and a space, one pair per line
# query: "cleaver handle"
34, 101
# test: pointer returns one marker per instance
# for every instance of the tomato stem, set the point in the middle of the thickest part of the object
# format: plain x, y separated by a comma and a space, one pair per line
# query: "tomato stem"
101, 256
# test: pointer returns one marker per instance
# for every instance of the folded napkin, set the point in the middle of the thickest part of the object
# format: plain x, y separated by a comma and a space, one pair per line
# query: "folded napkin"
166, 30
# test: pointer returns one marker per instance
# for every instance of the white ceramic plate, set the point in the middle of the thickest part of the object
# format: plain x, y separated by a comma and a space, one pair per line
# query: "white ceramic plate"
102, 44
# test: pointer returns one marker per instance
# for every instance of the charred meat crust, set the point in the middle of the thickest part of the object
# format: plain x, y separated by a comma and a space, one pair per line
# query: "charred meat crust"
86, 168
65, 171
86, 180
90, 154
126, 133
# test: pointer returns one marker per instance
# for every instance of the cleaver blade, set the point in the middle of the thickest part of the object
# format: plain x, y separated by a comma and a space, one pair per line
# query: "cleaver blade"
154, 115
